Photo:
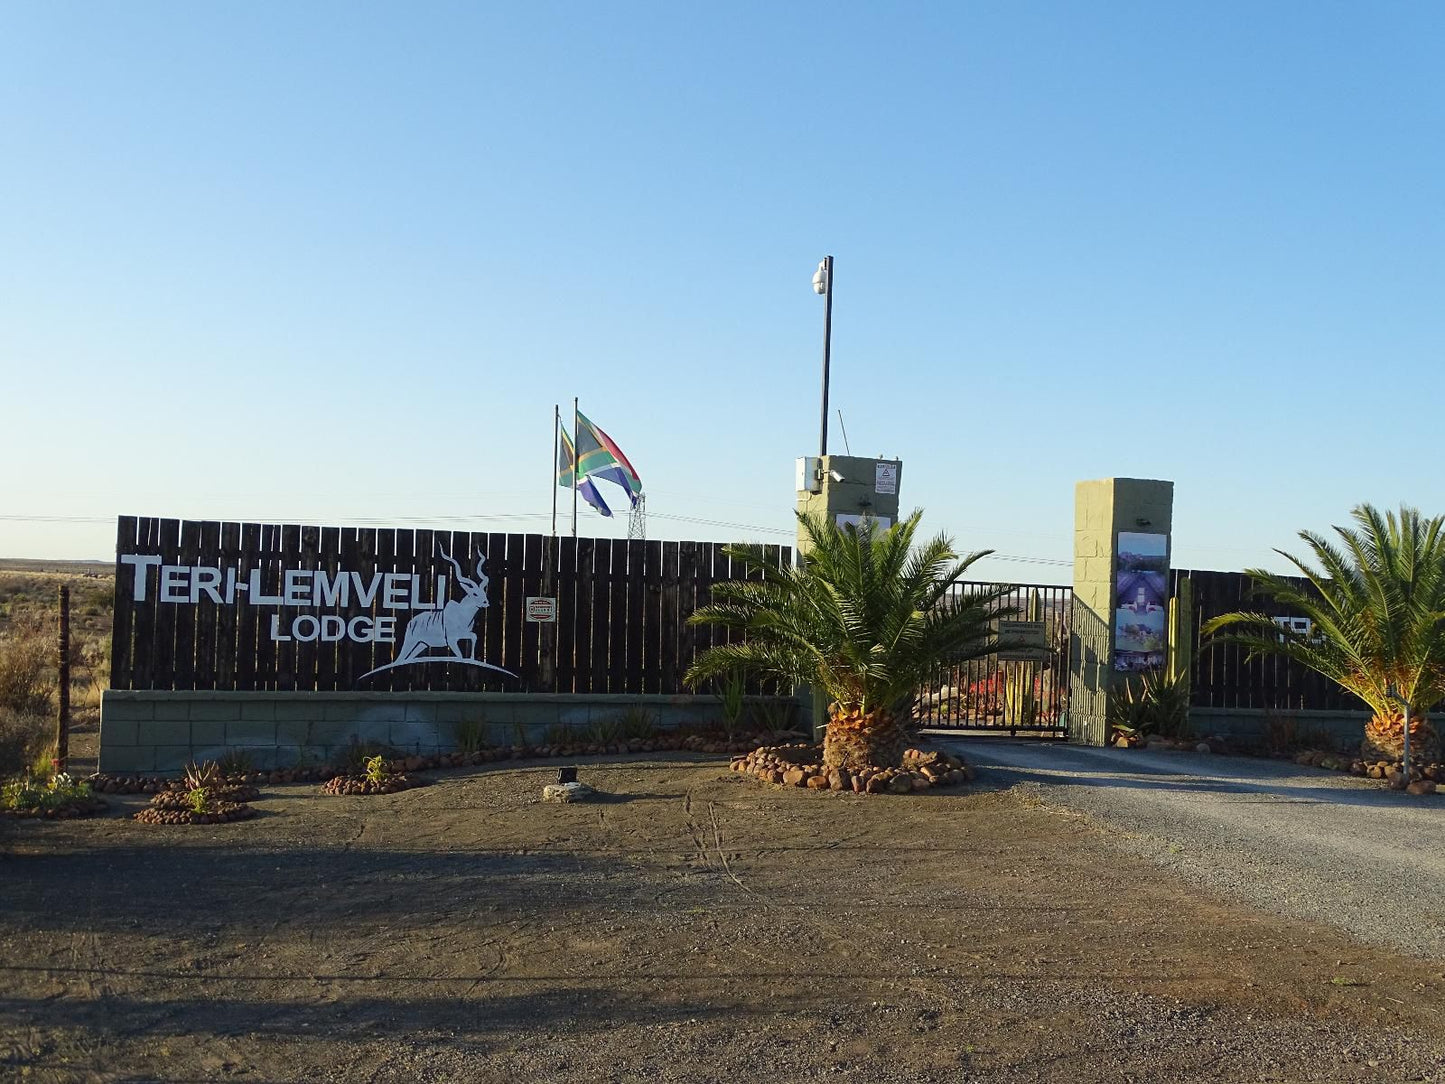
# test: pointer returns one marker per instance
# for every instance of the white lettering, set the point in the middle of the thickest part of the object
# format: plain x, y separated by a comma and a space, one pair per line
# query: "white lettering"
332, 592
360, 629
306, 628
141, 561
395, 591
205, 578
276, 630
230, 586
258, 593
385, 630
333, 628
297, 591
416, 602
363, 596
173, 583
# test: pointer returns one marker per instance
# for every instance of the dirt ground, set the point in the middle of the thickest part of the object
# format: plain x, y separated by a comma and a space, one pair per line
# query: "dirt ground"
692, 926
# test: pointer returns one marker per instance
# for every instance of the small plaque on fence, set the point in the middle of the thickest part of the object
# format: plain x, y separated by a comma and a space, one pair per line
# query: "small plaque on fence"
541, 608
1029, 639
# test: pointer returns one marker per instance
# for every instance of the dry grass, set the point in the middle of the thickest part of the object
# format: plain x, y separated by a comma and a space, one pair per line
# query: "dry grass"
29, 659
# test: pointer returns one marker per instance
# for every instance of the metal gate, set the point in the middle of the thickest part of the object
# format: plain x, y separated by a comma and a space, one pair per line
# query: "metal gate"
1022, 692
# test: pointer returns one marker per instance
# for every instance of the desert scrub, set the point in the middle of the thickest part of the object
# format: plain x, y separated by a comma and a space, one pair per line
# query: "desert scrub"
59, 796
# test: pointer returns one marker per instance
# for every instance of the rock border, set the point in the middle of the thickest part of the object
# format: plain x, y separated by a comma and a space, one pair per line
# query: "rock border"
106, 783
178, 797
358, 784
1423, 777
800, 765
221, 813
70, 810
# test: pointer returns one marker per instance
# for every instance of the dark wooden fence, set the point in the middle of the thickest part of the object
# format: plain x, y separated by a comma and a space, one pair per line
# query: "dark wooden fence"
622, 609
1222, 676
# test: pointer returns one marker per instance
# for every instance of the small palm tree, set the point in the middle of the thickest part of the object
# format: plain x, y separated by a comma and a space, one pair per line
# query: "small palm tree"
1378, 617
865, 617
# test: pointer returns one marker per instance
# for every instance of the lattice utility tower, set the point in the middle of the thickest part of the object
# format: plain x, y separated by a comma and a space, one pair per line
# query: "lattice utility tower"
637, 522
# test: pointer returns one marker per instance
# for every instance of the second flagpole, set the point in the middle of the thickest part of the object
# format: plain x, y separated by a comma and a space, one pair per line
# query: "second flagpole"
556, 447
575, 480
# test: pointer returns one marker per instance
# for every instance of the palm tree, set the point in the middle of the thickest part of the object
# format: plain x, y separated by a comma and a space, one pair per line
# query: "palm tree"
865, 617
1377, 611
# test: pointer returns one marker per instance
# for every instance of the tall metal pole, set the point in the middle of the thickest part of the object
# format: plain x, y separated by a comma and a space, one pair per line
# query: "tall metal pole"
575, 480
827, 346
556, 447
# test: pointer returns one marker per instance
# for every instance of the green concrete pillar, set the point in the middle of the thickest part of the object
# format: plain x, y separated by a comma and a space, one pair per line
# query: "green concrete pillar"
1121, 593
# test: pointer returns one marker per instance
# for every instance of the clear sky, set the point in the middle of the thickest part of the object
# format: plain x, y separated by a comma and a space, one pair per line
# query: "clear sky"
335, 263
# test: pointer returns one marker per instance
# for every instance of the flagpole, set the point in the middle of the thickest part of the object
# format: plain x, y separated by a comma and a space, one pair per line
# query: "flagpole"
576, 481
556, 445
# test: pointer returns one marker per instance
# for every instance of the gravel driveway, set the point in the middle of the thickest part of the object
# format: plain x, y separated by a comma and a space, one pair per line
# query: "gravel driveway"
1297, 841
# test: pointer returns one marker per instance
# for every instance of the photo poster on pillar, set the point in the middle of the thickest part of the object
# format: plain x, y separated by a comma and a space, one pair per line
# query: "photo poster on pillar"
1141, 601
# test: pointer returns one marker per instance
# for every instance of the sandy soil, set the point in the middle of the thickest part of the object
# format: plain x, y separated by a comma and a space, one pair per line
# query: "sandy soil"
693, 926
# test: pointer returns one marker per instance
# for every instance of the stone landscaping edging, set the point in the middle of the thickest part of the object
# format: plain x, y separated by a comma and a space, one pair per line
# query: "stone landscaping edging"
800, 765
154, 784
1424, 778
75, 807
220, 813
353, 784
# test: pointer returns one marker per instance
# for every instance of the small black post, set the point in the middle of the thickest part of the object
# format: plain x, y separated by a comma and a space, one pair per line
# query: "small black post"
62, 738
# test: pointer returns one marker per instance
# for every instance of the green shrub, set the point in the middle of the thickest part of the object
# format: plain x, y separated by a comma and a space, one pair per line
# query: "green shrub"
356, 755
775, 716
730, 692
1151, 702
27, 742
35, 793
27, 679
562, 734
634, 724
471, 736
234, 762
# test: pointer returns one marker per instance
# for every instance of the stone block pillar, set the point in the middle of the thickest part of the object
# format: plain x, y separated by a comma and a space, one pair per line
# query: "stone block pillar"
848, 486
1141, 510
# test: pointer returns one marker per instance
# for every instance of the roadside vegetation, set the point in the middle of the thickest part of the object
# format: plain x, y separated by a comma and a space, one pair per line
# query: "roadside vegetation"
29, 663
867, 618
1376, 604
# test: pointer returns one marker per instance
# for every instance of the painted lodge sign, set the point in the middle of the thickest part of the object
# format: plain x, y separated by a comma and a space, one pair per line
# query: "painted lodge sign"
260, 606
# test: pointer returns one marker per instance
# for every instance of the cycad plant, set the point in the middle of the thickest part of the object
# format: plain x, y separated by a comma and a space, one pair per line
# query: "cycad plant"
865, 617
1377, 613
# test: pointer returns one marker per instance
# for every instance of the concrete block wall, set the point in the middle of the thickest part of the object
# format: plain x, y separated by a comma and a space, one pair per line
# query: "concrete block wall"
160, 731
1341, 729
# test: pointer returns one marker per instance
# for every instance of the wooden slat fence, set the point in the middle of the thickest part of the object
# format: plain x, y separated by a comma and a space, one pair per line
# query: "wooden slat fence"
240, 606
1222, 677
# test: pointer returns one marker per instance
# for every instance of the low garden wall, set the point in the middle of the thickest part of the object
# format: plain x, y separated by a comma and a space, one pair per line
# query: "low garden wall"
161, 731
1343, 729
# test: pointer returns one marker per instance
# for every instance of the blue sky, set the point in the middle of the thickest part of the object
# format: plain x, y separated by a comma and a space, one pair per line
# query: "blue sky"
336, 262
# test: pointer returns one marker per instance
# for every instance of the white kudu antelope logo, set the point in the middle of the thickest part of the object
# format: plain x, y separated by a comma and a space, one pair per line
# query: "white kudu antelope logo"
448, 627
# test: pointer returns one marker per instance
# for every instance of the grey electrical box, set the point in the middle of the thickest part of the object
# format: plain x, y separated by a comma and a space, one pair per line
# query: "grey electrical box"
848, 488
809, 479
